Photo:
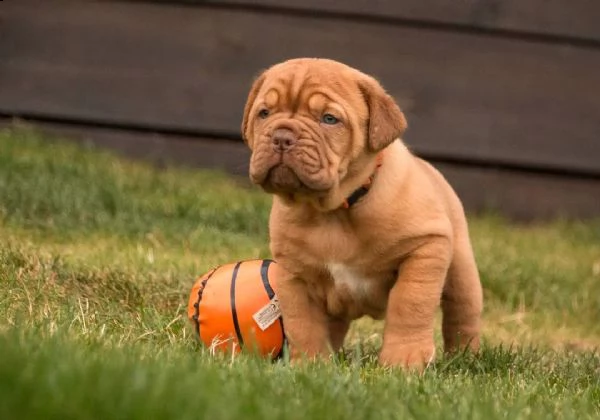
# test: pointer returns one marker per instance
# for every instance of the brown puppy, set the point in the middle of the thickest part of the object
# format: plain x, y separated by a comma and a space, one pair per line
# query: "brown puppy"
319, 130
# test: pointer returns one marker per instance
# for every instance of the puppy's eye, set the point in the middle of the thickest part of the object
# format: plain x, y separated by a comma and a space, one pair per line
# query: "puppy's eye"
329, 119
263, 113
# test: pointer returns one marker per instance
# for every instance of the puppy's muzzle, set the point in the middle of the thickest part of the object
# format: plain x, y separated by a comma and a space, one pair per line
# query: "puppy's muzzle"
282, 177
283, 139
288, 163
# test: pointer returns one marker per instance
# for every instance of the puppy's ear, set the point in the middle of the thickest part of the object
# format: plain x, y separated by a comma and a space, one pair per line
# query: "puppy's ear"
386, 121
249, 102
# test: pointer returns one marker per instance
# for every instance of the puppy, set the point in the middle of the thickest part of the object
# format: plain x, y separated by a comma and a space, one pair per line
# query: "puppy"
359, 225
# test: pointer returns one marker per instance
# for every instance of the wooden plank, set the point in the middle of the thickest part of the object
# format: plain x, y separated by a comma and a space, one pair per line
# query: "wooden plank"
521, 195
555, 18
188, 70
517, 195
230, 156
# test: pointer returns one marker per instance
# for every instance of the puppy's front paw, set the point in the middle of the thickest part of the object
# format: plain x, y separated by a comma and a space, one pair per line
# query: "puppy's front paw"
299, 357
409, 356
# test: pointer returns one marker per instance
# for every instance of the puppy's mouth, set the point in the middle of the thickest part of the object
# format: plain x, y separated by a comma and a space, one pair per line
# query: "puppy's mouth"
289, 174
282, 179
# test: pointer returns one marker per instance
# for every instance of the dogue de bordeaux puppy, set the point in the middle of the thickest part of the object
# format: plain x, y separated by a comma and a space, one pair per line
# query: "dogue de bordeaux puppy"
359, 225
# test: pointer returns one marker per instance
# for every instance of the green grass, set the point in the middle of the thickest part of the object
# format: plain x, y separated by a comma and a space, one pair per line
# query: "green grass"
97, 255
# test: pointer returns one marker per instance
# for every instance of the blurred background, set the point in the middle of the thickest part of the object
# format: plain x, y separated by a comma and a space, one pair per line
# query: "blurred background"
503, 96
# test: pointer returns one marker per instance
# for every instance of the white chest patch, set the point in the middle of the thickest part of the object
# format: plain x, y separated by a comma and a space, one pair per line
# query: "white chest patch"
346, 278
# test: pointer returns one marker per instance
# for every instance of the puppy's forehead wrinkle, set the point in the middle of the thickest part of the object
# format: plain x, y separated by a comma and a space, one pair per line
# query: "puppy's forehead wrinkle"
297, 99
300, 96
271, 97
301, 87
318, 100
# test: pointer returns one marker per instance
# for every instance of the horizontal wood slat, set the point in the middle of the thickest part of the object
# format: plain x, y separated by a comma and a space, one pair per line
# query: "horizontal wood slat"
554, 18
188, 69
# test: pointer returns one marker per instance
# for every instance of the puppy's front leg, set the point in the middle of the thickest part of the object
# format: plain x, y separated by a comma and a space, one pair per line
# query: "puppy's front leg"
305, 322
412, 302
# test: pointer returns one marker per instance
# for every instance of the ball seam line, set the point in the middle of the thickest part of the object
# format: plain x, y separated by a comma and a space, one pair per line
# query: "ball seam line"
196, 316
236, 323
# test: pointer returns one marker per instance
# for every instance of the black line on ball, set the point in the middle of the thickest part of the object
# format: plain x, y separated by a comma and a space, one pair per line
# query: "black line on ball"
236, 323
264, 274
196, 316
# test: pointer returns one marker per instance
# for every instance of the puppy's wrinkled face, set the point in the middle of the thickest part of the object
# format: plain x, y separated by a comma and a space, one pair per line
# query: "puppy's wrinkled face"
307, 120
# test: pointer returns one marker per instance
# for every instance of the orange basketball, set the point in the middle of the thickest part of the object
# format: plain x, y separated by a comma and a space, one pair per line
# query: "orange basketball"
234, 307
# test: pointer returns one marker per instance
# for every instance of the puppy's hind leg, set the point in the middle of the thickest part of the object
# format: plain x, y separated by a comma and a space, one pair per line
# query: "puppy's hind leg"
338, 328
462, 300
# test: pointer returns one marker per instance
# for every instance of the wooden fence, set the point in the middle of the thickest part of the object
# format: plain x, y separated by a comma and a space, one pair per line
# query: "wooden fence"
502, 95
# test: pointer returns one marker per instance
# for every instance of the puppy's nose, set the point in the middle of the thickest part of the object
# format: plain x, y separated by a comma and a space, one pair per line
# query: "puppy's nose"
283, 139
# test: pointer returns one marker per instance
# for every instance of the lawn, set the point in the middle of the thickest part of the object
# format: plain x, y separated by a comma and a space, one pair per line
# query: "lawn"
97, 255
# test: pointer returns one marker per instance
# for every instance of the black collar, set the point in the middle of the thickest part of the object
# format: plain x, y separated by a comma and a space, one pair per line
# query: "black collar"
361, 191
